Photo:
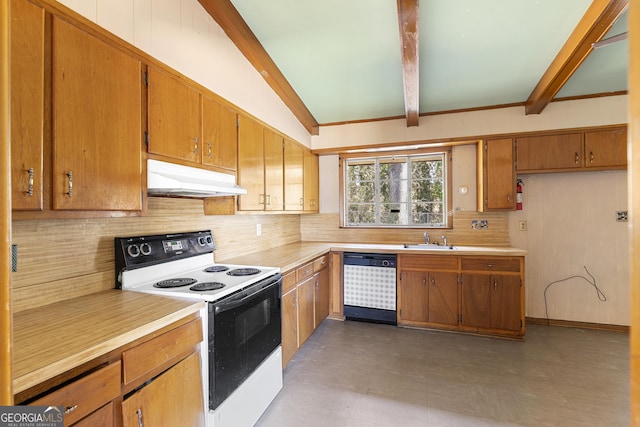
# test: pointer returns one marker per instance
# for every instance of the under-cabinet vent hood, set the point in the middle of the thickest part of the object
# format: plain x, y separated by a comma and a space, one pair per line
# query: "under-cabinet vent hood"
169, 179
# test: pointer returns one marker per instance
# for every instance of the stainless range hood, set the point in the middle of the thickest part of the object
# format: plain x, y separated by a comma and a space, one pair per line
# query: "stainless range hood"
169, 179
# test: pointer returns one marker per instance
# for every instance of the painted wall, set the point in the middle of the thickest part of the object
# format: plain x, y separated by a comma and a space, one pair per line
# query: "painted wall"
181, 34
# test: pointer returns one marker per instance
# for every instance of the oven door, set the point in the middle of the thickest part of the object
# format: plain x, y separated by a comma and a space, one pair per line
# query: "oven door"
244, 328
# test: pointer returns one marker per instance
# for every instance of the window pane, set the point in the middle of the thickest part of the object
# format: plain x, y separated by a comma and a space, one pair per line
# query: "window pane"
361, 192
393, 214
361, 214
428, 213
393, 169
361, 171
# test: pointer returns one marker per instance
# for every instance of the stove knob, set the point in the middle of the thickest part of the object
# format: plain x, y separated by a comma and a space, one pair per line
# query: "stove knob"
145, 249
202, 241
133, 251
209, 240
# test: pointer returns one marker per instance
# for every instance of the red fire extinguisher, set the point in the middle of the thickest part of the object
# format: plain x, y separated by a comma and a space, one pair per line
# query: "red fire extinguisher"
519, 185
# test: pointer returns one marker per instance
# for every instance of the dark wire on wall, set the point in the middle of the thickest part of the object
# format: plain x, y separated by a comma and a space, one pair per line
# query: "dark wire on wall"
601, 296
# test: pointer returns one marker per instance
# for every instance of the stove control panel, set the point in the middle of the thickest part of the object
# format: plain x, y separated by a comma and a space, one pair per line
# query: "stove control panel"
143, 251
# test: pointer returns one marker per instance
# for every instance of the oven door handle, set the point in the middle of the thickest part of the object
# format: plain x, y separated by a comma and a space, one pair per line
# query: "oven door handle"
247, 294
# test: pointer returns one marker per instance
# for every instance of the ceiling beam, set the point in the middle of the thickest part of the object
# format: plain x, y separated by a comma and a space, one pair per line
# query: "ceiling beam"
408, 24
595, 23
230, 20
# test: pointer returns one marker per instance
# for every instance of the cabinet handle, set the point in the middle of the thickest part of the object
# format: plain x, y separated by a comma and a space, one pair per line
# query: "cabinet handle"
70, 183
139, 413
70, 409
490, 265
31, 174
195, 145
508, 197
209, 151
424, 281
577, 158
495, 285
433, 281
261, 200
268, 199
301, 201
590, 156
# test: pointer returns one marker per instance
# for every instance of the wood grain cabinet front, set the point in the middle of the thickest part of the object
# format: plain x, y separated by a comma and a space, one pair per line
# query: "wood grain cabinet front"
497, 175
87, 395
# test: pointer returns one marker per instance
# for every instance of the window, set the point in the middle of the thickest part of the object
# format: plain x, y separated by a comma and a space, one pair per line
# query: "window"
396, 191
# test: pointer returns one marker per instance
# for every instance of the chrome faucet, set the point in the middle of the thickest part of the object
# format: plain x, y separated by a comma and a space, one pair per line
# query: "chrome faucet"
444, 240
426, 238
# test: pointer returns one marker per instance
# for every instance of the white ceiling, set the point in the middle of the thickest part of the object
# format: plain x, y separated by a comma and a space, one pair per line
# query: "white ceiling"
343, 57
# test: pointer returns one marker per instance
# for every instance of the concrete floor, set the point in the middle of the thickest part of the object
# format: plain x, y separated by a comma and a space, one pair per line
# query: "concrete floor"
362, 374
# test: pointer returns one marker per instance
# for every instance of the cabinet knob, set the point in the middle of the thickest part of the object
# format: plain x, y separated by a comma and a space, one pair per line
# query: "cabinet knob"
590, 156
495, 285
433, 281
209, 151
31, 175
70, 183
195, 145
577, 158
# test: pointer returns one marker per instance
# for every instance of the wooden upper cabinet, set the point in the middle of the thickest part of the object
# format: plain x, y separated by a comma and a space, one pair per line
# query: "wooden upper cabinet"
219, 135
27, 105
548, 152
293, 176
273, 171
606, 148
250, 164
97, 123
499, 176
311, 182
174, 117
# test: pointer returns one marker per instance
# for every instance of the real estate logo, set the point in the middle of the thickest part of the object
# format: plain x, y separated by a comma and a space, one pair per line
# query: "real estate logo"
31, 416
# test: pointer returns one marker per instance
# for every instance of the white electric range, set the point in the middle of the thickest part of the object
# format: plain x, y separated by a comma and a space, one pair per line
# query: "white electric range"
242, 355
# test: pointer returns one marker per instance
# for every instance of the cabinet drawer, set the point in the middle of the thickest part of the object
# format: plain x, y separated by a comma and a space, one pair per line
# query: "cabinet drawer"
320, 263
85, 395
142, 361
288, 281
429, 262
101, 417
491, 264
304, 271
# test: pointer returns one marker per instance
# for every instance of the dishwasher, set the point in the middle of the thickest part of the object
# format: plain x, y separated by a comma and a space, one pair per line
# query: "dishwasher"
370, 287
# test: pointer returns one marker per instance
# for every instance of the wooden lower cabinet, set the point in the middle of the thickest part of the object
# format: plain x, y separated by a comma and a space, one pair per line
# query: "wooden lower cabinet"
154, 381
171, 399
477, 294
306, 294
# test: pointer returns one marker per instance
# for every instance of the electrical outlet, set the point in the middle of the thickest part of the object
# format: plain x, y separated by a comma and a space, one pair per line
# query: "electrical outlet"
622, 216
479, 224
523, 225
14, 258
258, 229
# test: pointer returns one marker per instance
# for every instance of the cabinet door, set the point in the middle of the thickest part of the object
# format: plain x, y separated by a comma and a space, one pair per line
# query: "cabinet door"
273, 171
289, 325
413, 297
219, 135
174, 117
505, 302
171, 399
97, 110
250, 164
306, 291
476, 300
27, 104
321, 301
293, 176
548, 152
311, 182
443, 298
605, 148
499, 175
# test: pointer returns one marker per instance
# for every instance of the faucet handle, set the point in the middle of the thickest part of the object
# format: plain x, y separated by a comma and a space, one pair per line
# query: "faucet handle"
444, 240
426, 237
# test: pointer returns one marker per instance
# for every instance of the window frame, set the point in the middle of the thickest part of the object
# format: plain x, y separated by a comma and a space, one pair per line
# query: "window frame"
448, 156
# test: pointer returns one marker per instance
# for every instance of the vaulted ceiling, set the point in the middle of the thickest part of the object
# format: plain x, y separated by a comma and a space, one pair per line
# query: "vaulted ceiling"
337, 61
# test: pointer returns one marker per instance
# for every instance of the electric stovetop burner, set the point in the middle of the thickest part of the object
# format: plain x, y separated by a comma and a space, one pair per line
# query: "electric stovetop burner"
216, 269
207, 286
243, 272
175, 283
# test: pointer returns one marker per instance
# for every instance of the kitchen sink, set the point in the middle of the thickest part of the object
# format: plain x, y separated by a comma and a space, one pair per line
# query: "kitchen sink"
429, 247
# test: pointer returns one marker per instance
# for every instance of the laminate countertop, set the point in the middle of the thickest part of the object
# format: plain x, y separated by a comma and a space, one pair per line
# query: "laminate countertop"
294, 254
51, 340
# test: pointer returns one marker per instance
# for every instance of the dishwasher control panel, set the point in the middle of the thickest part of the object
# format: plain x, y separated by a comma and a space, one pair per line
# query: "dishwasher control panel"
370, 260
